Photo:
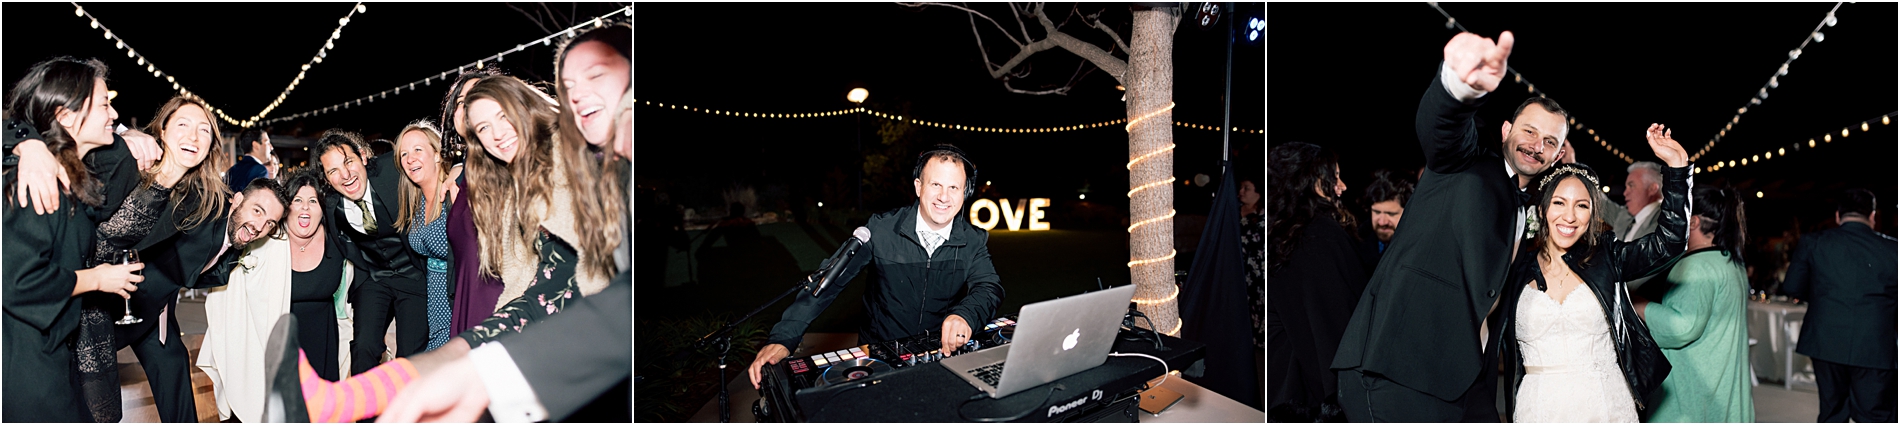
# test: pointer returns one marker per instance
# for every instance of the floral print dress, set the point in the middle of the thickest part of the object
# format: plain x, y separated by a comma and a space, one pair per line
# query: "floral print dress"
554, 286
1253, 244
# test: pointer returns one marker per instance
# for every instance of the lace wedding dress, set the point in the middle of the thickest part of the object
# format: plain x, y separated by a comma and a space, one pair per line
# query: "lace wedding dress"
1569, 361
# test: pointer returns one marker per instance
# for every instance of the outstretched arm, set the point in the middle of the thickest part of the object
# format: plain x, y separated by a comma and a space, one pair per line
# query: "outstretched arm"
1641, 257
1473, 66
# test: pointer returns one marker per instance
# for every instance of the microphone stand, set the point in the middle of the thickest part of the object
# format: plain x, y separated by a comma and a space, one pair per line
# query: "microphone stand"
722, 338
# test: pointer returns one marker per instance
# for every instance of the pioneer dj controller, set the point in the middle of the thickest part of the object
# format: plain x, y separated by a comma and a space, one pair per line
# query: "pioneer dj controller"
815, 378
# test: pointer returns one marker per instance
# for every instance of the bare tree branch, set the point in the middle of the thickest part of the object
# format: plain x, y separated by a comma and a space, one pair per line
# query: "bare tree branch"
531, 18
559, 22
1111, 33
999, 27
1019, 20
1108, 62
1064, 90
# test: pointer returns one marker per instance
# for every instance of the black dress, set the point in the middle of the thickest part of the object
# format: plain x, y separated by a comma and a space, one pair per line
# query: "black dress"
1313, 294
312, 300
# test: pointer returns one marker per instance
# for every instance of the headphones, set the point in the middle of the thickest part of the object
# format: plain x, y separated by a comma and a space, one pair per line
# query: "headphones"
969, 169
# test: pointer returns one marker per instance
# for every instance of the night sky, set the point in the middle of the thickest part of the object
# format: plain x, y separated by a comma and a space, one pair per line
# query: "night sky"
240, 56
794, 58
1350, 77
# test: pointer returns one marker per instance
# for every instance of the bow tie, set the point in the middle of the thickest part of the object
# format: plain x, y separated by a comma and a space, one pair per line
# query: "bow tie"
1524, 198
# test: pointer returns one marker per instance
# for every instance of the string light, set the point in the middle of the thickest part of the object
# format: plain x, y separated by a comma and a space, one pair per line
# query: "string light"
1774, 80
444, 76
1170, 256
1452, 23
1783, 151
130, 52
1131, 123
927, 123
1171, 296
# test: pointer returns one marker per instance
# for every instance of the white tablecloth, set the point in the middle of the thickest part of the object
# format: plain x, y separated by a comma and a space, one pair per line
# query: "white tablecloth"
1776, 327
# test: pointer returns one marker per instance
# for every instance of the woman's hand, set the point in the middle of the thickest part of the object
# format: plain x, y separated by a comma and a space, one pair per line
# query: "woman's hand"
1666, 147
119, 279
144, 148
41, 177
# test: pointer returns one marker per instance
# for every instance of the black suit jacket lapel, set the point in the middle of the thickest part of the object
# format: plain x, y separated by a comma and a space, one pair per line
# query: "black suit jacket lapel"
383, 177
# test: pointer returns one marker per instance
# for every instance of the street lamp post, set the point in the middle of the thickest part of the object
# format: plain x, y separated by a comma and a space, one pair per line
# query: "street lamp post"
857, 96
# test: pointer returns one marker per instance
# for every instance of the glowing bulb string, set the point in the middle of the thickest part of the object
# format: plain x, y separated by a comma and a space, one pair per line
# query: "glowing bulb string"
609, 18
1783, 151
1171, 296
150, 66
1774, 82
1145, 186
322, 52
1452, 23
914, 120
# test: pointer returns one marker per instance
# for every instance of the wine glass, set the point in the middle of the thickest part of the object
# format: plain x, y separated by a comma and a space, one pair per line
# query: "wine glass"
128, 256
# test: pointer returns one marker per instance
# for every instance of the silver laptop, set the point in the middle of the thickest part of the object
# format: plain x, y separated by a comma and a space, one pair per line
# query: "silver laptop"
1054, 339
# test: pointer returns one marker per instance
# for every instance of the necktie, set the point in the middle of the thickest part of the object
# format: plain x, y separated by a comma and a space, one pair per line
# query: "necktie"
369, 220
931, 240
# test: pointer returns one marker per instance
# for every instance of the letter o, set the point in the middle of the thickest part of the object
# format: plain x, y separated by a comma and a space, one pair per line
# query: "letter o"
978, 206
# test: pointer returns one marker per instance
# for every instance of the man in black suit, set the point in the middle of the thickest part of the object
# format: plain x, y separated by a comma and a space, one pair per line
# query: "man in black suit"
391, 281
1847, 276
1417, 348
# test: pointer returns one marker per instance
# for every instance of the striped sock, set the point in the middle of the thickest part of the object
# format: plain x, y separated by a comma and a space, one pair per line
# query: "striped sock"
356, 397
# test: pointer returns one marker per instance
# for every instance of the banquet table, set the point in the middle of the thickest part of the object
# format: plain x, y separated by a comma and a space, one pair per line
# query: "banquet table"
1775, 326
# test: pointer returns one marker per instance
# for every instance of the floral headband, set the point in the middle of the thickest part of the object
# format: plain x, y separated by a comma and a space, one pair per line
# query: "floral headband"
1561, 170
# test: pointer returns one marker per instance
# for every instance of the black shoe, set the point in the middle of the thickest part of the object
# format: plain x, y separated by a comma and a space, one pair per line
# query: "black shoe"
284, 392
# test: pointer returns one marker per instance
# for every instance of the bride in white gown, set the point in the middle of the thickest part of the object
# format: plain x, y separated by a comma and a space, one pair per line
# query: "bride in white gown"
1567, 308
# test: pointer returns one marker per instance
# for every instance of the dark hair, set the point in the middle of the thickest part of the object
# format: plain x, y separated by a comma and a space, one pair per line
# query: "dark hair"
951, 153
1856, 202
454, 144
1722, 218
1387, 185
266, 183
1294, 169
247, 137
62, 82
619, 36
1548, 104
339, 139
308, 175
1549, 181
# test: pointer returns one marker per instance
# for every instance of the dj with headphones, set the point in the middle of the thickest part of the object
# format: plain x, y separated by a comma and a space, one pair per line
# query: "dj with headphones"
934, 270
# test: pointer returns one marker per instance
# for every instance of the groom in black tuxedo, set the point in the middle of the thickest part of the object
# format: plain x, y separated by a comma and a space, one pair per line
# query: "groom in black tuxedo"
1417, 348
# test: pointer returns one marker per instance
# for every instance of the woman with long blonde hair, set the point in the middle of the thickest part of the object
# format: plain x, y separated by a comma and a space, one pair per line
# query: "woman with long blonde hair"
424, 217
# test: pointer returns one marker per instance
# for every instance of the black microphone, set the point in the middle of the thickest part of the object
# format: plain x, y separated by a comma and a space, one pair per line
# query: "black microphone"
836, 263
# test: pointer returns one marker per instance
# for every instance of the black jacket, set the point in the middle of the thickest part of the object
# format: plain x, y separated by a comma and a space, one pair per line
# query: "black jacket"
173, 260
383, 257
1847, 276
915, 291
1313, 295
1608, 273
1417, 322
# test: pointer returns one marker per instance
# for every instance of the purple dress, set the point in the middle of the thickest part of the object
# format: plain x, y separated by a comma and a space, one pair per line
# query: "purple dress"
475, 294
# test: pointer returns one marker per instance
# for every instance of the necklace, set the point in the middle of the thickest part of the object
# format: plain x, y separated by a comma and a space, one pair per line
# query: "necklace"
306, 245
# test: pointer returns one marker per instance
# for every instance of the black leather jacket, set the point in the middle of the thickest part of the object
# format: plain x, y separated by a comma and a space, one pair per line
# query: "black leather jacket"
1607, 272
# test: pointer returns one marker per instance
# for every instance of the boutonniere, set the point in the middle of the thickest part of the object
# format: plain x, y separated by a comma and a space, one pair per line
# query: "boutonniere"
1530, 225
248, 262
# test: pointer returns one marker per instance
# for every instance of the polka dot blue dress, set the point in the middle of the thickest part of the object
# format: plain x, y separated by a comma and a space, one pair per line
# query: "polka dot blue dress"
431, 239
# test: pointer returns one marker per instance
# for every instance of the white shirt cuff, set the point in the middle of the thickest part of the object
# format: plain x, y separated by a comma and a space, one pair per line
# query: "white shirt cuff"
510, 398
1459, 90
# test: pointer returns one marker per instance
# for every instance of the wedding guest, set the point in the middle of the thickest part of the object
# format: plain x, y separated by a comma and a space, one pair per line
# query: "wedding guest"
426, 195
64, 100
1701, 322
321, 274
477, 289
1847, 276
258, 290
1315, 277
363, 211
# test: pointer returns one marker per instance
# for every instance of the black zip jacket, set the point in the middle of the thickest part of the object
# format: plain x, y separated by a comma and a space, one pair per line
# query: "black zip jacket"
1607, 272
914, 291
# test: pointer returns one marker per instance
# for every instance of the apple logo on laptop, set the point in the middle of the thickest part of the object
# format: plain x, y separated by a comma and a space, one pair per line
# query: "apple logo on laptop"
1069, 342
